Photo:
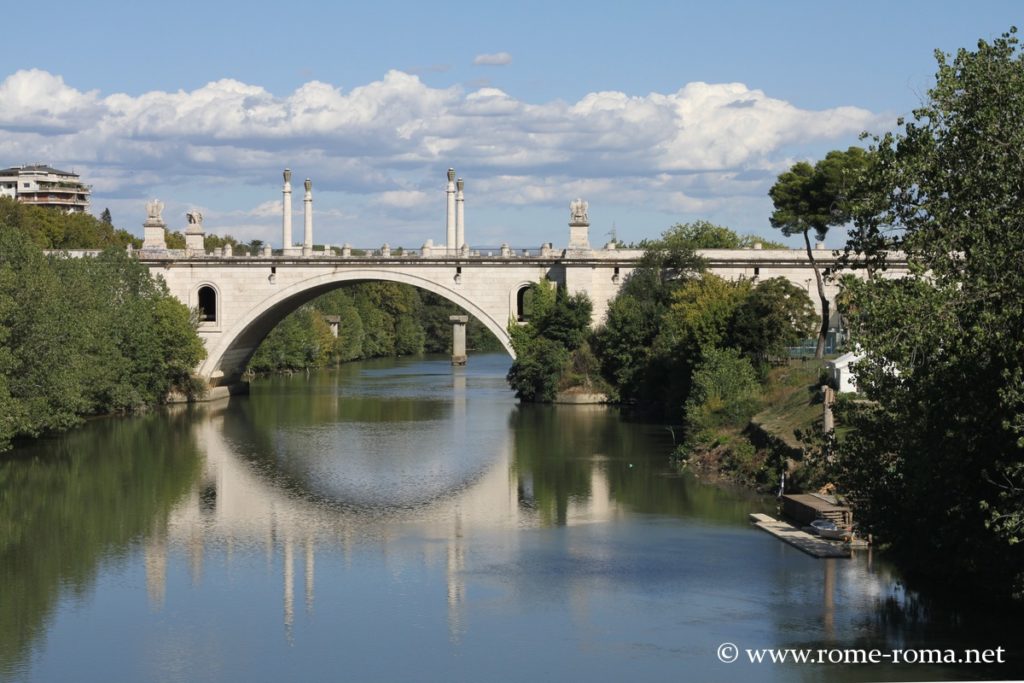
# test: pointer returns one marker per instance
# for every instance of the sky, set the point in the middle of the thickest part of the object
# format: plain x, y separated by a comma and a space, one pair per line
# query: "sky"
653, 112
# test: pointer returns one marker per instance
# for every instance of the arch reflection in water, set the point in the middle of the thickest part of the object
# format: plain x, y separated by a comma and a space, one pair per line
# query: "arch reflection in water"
352, 467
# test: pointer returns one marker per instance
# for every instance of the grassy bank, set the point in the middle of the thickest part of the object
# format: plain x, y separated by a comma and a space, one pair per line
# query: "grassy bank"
782, 435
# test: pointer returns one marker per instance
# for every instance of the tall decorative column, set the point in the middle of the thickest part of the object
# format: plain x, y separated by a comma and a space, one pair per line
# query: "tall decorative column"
460, 215
450, 213
307, 201
286, 214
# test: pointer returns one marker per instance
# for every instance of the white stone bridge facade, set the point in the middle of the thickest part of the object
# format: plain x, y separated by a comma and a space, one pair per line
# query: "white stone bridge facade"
241, 298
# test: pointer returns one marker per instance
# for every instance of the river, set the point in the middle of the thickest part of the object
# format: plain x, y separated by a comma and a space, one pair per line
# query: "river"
403, 520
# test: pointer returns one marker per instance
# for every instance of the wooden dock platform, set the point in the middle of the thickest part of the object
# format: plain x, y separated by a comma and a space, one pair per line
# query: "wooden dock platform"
812, 545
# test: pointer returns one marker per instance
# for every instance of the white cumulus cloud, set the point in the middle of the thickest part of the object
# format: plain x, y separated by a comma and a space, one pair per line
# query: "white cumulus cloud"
706, 145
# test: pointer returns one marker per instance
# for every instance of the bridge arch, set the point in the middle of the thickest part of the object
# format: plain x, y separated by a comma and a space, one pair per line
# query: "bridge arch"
229, 354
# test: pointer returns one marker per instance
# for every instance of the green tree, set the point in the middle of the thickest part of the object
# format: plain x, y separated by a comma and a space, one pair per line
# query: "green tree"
748, 242
175, 240
551, 348
84, 336
667, 262
816, 198
624, 343
775, 315
725, 391
409, 336
211, 242
538, 367
935, 464
568, 321
846, 299
378, 329
51, 229
349, 344
705, 235
701, 313
698, 318
301, 341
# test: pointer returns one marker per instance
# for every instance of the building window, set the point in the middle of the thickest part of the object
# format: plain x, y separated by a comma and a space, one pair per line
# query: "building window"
207, 304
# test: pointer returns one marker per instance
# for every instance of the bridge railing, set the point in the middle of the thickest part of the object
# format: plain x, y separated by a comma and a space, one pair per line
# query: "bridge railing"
341, 253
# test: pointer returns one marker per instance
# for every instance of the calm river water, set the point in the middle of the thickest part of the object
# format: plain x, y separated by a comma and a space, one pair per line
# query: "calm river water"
402, 520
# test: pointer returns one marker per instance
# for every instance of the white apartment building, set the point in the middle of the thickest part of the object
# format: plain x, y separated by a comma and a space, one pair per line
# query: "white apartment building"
42, 185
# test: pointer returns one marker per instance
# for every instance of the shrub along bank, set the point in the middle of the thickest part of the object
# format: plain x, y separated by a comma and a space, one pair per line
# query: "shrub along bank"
82, 336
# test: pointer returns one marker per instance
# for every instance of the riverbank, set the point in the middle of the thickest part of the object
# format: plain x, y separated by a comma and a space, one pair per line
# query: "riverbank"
783, 436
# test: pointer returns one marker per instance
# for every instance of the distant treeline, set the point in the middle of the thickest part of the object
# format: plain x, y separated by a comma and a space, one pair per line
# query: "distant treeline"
82, 336
375, 319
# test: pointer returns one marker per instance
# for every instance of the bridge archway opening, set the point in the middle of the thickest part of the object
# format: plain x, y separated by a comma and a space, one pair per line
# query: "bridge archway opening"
523, 301
207, 304
228, 357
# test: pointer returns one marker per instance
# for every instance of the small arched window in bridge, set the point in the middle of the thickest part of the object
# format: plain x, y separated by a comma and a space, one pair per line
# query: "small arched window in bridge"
207, 304
524, 297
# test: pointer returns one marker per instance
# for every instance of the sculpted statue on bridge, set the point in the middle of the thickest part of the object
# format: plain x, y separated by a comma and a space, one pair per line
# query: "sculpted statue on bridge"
154, 209
578, 211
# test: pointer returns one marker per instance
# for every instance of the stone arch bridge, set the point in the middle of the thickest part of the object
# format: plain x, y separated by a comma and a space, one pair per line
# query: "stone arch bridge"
242, 298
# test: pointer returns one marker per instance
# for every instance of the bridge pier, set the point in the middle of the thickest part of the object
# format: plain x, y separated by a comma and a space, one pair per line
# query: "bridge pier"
459, 338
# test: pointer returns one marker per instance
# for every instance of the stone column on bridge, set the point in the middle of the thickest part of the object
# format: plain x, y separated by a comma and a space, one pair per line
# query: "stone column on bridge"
307, 238
449, 242
287, 244
459, 338
154, 229
194, 235
460, 215
579, 226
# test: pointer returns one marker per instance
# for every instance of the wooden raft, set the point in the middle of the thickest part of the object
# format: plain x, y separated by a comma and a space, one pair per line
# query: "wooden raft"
812, 545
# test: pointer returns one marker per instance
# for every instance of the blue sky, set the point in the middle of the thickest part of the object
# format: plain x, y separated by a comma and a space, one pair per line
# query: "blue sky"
653, 112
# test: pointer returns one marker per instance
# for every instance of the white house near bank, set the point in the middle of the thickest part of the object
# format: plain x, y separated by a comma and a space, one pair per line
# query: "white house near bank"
840, 373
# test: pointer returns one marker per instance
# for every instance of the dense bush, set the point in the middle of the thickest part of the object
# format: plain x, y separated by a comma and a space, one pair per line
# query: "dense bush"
84, 336
725, 391
552, 349
538, 368
776, 314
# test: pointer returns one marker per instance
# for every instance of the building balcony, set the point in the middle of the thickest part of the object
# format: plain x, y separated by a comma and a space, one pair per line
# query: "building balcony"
53, 199
62, 186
